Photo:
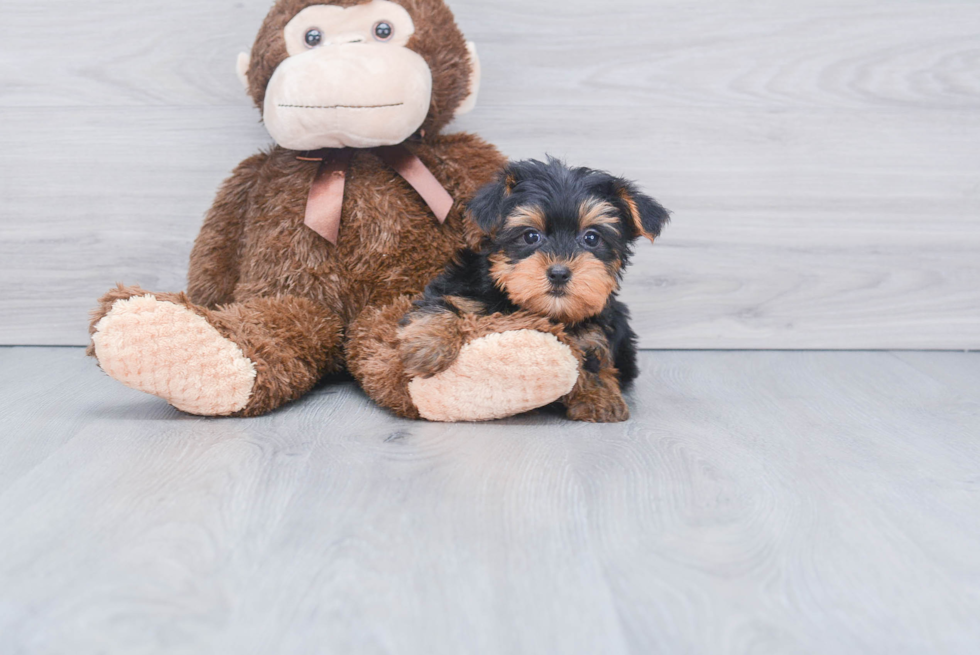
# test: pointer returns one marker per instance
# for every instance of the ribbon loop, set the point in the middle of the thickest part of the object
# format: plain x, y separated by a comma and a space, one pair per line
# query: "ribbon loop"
324, 206
325, 203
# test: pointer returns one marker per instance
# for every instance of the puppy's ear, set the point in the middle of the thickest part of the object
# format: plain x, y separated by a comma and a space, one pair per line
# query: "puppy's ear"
487, 207
645, 215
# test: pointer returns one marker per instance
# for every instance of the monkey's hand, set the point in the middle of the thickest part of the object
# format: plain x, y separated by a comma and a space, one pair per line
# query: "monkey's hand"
429, 342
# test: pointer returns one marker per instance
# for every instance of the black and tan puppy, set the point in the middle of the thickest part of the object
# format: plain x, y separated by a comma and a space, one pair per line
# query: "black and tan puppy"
557, 242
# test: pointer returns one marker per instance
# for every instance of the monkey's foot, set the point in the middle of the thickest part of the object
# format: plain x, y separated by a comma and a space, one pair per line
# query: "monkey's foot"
496, 376
167, 350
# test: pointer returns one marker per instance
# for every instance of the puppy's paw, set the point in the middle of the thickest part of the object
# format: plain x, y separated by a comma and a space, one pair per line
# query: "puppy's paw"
429, 343
612, 409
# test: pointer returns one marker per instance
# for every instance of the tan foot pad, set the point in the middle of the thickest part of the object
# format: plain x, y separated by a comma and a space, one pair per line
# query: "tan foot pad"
169, 351
497, 376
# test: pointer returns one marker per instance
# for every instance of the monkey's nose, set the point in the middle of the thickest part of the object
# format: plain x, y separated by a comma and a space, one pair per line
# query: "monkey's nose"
559, 275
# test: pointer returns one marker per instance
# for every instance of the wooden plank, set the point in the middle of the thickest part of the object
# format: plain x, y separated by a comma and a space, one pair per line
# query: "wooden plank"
743, 53
118, 53
819, 157
776, 242
773, 502
117, 196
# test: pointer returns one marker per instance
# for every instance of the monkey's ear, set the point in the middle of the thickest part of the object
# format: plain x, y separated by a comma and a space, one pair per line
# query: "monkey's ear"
645, 215
475, 74
241, 68
487, 207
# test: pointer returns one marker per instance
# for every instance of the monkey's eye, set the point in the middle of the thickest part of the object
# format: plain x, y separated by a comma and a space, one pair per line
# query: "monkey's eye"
532, 237
383, 31
314, 37
591, 239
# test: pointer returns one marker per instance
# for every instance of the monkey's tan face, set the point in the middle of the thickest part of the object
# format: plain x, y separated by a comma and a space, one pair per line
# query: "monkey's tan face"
349, 81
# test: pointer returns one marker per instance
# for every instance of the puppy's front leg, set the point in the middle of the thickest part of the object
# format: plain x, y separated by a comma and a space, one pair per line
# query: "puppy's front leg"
596, 397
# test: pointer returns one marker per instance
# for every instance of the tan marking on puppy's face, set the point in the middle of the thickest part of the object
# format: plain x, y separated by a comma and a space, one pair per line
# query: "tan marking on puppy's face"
530, 217
594, 213
526, 284
589, 289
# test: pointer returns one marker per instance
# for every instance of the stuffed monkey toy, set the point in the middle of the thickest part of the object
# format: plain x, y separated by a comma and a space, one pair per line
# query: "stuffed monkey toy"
313, 250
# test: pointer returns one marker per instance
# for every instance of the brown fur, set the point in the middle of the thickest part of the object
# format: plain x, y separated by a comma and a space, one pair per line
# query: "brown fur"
466, 305
390, 246
429, 344
373, 357
374, 350
595, 213
436, 39
300, 307
526, 283
509, 183
289, 341
596, 397
634, 215
530, 217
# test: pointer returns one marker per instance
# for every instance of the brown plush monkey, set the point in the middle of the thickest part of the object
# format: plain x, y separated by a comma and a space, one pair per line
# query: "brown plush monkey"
312, 251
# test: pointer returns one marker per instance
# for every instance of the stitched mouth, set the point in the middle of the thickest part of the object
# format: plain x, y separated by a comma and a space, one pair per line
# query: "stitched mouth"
397, 104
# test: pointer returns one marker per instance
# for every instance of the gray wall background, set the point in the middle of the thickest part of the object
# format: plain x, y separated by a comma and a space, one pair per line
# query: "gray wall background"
822, 159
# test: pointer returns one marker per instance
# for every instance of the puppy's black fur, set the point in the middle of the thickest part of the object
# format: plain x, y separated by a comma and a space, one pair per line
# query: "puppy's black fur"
557, 240
469, 277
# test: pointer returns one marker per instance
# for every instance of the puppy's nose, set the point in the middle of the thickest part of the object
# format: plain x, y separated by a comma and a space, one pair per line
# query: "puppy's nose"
559, 275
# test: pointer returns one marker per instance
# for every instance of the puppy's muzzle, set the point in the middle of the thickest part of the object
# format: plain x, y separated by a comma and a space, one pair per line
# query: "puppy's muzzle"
559, 275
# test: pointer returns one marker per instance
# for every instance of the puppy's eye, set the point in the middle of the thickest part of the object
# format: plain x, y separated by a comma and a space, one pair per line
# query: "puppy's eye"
532, 237
314, 37
383, 31
591, 238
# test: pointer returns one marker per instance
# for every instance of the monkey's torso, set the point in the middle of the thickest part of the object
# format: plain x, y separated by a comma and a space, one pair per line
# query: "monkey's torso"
390, 244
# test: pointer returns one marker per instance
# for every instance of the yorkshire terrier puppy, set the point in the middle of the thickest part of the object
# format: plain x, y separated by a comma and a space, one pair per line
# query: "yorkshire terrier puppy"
556, 242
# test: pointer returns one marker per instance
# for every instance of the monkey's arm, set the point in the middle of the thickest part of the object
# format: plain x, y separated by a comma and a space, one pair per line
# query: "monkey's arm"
429, 338
214, 266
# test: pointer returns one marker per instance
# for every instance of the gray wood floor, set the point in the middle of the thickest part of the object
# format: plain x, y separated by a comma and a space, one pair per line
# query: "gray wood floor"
757, 503
822, 163
821, 157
